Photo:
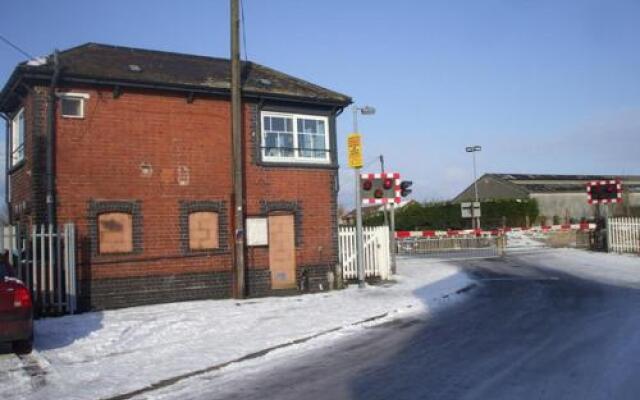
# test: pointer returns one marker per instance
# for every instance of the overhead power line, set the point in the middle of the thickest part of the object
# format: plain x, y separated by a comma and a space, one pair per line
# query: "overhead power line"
244, 31
16, 47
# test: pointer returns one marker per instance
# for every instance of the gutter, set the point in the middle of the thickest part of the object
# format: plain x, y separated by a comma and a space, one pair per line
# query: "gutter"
185, 89
51, 131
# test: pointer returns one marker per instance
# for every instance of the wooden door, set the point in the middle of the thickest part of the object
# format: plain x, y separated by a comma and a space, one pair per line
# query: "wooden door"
282, 251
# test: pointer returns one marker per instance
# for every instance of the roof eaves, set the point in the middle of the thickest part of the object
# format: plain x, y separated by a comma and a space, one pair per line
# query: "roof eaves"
346, 99
224, 91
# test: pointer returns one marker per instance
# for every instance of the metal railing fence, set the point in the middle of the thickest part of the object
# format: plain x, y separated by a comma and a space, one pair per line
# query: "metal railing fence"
44, 258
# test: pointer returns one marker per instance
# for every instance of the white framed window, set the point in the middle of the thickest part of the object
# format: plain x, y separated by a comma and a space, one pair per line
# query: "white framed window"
295, 138
72, 104
17, 137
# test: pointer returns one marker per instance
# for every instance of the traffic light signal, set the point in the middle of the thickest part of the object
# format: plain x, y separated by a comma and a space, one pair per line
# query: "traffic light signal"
404, 188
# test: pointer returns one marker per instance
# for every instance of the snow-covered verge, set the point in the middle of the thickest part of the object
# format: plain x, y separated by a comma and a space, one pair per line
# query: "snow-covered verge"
613, 269
102, 354
524, 240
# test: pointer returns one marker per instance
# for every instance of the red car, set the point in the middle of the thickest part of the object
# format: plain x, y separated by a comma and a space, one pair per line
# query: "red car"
16, 311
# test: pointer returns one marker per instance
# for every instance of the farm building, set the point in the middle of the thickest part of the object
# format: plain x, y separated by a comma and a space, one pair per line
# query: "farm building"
560, 197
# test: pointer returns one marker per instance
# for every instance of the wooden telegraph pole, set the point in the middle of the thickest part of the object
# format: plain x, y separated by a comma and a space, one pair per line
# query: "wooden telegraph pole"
237, 166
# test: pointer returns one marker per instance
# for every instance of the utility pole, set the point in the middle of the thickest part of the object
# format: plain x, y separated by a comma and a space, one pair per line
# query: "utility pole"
366, 110
237, 166
384, 207
391, 227
392, 238
475, 187
359, 241
475, 219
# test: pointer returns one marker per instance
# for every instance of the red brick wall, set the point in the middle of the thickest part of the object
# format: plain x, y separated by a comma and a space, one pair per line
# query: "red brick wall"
311, 189
99, 158
26, 196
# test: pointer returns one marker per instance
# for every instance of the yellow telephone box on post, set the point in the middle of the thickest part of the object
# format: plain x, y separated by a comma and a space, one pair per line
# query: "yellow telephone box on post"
354, 149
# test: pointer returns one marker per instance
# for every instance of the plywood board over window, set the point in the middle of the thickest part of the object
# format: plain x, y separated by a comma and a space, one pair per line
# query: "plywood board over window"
115, 233
203, 230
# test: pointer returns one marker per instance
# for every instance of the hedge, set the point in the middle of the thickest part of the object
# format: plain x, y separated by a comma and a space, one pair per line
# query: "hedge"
445, 215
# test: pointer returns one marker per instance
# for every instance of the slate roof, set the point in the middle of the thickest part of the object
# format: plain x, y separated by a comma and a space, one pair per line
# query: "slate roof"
117, 65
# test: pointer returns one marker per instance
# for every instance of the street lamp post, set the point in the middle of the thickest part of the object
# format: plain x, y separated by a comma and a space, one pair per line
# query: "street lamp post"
366, 110
473, 150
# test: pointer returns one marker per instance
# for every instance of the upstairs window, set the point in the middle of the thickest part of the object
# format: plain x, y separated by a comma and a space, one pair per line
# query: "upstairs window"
17, 138
72, 104
294, 138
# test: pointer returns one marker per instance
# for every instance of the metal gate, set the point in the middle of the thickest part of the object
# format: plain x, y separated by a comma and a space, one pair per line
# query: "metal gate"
452, 247
45, 260
376, 257
623, 235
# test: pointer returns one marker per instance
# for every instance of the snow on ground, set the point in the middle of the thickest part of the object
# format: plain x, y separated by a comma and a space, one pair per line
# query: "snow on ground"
523, 240
613, 269
101, 354
14, 382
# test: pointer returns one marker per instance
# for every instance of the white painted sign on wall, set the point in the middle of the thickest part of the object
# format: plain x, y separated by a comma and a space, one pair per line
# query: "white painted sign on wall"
257, 231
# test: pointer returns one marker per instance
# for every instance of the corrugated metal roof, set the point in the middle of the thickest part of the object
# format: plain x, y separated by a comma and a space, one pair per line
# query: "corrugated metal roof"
555, 183
560, 177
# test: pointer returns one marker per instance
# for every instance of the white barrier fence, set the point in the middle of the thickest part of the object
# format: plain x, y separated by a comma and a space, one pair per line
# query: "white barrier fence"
376, 258
623, 235
45, 260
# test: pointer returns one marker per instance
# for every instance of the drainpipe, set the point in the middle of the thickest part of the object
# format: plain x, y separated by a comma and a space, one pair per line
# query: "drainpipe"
51, 130
6, 164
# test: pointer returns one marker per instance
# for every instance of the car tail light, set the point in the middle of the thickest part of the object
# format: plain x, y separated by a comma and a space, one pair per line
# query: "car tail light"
21, 298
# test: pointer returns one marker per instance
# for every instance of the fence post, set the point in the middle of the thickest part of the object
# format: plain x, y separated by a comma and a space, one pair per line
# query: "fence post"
51, 266
609, 221
70, 261
500, 244
392, 239
34, 263
59, 268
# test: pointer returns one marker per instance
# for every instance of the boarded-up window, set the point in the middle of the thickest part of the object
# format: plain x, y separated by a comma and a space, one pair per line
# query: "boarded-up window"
116, 233
203, 230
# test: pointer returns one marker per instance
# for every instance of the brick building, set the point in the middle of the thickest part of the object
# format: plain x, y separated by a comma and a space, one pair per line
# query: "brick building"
140, 161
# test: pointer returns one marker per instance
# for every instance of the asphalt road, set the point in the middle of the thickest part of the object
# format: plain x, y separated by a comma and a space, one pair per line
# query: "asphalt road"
521, 333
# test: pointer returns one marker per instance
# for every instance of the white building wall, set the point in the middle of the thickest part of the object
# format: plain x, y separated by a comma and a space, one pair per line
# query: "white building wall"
574, 205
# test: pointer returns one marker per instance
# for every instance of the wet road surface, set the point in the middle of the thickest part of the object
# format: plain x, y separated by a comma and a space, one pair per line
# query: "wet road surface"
521, 333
